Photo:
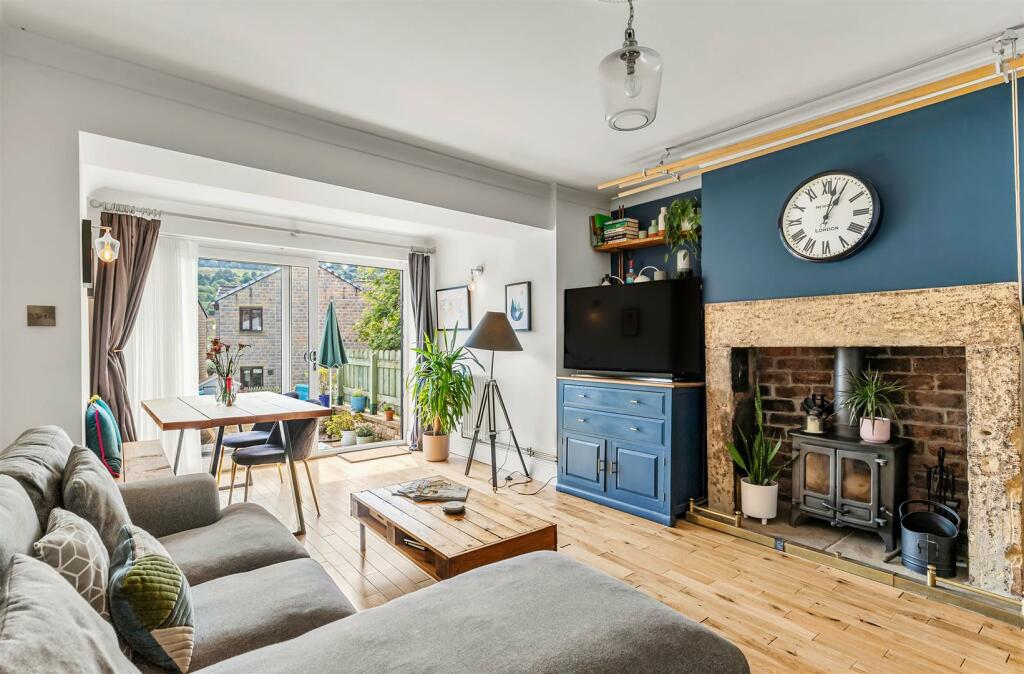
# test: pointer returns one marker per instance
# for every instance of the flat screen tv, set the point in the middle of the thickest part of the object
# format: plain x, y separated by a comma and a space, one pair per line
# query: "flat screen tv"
654, 328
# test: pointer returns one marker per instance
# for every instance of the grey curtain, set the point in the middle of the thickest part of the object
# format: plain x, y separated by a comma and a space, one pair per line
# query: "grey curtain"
117, 294
422, 318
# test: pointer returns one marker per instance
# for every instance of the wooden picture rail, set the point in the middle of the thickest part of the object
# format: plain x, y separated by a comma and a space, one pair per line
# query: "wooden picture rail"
859, 115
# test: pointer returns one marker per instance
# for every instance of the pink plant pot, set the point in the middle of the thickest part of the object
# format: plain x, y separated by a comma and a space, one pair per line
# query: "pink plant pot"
875, 430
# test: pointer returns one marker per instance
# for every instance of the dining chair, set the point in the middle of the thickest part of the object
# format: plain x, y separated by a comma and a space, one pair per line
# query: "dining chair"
304, 440
258, 435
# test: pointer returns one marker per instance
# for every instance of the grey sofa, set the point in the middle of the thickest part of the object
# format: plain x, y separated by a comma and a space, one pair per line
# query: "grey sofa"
261, 605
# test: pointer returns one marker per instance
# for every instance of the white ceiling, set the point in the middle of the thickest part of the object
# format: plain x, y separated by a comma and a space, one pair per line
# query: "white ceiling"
513, 84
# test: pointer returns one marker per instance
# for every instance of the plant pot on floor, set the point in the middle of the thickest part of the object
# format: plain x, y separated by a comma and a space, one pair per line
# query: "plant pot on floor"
759, 501
876, 430
364, 439
348, 438
358, 403
435, 447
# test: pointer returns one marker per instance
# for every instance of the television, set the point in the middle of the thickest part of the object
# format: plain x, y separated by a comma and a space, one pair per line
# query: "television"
644, 329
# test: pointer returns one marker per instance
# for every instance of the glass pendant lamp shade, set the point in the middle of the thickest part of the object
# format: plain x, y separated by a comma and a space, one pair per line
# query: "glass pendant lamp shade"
630, 83
106, 247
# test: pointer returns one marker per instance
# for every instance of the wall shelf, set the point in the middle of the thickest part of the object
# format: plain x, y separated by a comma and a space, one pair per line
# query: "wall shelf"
630, 244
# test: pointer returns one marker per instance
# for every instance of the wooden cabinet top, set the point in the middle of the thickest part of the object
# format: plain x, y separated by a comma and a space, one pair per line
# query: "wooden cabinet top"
589, 379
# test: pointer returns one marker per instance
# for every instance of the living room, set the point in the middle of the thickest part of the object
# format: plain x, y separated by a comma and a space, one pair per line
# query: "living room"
565, 310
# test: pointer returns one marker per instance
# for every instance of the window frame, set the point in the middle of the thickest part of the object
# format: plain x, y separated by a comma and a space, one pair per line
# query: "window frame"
245, 373
249, 311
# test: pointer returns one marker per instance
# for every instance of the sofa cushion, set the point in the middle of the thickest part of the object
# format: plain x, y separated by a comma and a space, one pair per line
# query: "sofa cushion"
564, 617
20, 526
46, 627
102, 435
151, 601
246, 537
91, 493
294, 598
36, 460
73, 547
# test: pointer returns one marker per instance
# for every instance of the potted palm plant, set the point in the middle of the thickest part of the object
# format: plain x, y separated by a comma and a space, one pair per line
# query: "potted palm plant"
682, 232
759, 490
869, 399
441, 385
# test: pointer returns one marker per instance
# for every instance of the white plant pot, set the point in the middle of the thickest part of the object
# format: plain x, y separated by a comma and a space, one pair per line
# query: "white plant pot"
759, 502
878, 432
683, 260
348, 438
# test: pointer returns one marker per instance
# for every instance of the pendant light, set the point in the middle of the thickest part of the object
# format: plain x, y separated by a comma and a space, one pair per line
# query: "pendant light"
630, 83
106, 247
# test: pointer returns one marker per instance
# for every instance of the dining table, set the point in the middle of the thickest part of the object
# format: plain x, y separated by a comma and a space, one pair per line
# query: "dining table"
201, 412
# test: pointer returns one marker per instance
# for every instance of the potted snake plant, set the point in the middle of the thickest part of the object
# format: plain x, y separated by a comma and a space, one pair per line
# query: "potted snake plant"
441, 385
869, 399
759, 489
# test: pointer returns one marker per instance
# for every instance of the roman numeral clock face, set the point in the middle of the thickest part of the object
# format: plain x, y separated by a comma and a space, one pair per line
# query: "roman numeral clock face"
829, 217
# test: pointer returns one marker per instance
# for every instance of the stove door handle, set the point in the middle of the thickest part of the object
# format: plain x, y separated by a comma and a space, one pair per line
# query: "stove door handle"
841, 511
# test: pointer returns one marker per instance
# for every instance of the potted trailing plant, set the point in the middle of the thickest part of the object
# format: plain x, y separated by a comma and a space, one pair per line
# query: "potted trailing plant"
224, 364
364, 434
869, 399
358, 400
682, 232
441, 385
759, 490
389, 411
341, 426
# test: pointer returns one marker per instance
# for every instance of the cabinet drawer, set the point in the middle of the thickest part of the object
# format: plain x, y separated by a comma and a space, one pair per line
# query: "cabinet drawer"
627, 401
634, 429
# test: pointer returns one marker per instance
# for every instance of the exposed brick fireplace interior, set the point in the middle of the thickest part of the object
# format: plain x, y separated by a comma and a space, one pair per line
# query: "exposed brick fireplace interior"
932, 409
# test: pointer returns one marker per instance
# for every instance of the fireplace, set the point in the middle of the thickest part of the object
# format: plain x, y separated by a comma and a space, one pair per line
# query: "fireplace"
980, 322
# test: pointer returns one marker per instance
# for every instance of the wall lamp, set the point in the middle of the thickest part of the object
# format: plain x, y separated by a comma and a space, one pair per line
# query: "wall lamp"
473, 273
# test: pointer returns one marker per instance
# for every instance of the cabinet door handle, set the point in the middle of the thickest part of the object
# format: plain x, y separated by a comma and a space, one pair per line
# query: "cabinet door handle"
634, 402
600, 465
634, 429
581, 420
581, 395
615, 467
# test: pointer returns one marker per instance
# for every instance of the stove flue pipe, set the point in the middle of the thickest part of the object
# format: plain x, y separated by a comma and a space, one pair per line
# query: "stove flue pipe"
849, 359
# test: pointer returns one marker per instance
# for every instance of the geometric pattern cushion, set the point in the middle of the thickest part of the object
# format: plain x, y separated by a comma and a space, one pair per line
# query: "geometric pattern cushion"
102, 435
151, 601
73, 547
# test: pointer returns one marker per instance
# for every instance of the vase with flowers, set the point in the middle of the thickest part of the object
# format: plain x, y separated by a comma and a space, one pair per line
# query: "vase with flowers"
224, 365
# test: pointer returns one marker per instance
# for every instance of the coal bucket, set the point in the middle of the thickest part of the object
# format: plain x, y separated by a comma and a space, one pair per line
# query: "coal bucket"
929, 537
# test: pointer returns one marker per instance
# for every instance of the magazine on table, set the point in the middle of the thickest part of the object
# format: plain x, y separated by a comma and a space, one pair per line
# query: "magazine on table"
432, 489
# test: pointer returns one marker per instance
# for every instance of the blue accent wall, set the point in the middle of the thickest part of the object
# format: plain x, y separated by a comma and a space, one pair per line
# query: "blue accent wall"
944, 176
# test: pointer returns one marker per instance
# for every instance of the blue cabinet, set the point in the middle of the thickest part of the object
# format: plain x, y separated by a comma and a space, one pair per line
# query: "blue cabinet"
634, 446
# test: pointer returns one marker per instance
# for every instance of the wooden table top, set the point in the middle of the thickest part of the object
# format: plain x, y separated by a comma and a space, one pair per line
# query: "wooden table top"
490, 529
199, 412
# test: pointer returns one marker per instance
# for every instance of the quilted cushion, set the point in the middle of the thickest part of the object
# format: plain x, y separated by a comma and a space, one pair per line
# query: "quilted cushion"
91, 493
151, 602
73, 547
36, 460
102, 435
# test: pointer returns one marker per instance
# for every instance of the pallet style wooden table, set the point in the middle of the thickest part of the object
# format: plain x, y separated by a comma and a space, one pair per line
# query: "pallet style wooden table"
442, 545
201, 412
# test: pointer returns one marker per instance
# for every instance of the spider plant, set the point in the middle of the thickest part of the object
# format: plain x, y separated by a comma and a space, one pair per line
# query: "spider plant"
869, 396
755, 456
682, 212
441, 383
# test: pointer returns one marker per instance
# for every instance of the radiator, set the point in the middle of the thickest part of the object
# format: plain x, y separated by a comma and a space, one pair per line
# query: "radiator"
469, 418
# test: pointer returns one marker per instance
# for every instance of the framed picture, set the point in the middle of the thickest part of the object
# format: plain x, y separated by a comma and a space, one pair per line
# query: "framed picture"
517, 305
453, 308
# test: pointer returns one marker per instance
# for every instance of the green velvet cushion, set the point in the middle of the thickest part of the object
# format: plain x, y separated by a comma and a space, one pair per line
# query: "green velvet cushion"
102, 435
151, 601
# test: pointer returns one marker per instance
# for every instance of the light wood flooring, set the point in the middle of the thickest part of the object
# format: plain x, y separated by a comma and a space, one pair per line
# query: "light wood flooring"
787, 614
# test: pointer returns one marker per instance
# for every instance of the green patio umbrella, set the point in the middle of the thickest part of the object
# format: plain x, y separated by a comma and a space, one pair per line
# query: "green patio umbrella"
332, 348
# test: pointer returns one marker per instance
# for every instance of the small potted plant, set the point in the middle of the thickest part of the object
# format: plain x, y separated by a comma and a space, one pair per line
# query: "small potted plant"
325, 387
682, 233
869, 399
341, 426
358, 400
364, 434
388, 411
441, 386
759, 490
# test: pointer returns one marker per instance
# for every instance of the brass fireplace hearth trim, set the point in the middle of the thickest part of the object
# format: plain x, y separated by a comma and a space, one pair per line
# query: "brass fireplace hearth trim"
1004, 609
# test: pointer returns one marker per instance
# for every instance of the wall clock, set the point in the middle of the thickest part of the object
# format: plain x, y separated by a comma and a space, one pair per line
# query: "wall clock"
830, 216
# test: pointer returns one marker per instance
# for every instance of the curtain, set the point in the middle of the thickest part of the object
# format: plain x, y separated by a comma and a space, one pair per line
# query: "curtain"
117, 294
162, 355
422, 318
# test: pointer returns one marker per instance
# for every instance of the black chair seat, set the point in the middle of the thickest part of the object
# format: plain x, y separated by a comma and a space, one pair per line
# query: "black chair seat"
246, 439
259, 455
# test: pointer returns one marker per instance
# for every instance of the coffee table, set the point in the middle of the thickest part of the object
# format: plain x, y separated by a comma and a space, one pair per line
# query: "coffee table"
447, 545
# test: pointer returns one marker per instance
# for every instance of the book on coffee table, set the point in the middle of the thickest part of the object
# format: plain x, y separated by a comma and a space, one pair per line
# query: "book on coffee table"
432, 489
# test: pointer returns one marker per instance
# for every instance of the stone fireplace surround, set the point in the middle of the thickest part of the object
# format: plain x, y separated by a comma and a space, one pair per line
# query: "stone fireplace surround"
983, 319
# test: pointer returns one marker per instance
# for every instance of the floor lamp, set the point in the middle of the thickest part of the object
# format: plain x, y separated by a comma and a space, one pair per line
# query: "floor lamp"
493, 333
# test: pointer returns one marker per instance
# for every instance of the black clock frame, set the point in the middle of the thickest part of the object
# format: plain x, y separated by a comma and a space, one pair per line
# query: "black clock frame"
868, 235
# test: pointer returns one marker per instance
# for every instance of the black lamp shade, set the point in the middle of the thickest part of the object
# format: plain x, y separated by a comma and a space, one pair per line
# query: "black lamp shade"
494, 333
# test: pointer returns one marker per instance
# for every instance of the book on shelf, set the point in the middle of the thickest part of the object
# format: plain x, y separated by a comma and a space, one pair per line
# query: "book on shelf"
621, 222
597, 222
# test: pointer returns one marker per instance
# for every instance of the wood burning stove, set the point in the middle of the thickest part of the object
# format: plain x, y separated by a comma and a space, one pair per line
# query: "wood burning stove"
849, 483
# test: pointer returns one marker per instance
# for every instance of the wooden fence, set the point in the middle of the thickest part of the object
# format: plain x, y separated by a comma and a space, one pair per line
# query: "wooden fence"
378, 373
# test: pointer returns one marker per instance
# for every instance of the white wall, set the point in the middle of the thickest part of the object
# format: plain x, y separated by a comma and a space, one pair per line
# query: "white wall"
51, 92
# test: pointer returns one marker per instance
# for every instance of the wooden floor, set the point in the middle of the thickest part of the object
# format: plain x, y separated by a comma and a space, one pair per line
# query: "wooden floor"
787, 614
